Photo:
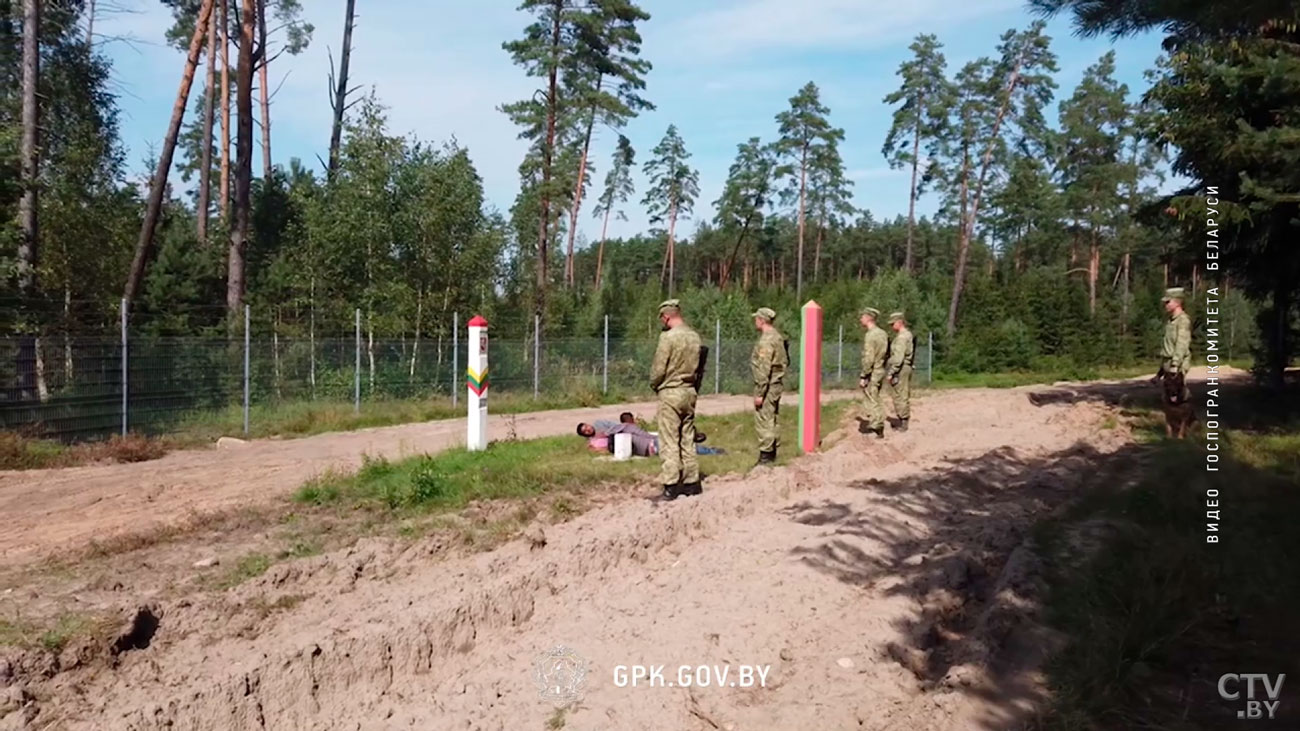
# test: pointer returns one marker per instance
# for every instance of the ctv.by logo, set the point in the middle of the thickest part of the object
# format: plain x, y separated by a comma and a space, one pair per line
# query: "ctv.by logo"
1254, 709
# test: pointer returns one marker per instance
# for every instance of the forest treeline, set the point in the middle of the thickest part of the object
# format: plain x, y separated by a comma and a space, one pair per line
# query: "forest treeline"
1050, 242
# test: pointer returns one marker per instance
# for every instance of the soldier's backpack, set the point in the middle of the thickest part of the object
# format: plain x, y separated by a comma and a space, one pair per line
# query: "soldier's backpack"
699, 369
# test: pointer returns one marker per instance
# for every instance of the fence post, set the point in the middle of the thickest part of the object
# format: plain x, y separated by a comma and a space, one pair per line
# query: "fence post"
604, 383
929, 357
839, 357
247, 319
124, 379
537, 352
717, 357
455, 358
356, 369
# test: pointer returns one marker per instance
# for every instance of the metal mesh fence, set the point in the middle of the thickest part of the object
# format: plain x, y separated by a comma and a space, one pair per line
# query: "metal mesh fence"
75, 388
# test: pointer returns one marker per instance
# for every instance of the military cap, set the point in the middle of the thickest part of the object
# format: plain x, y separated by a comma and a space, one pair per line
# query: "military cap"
1173, 293
896, 317
871, 312
670, 305
767, 313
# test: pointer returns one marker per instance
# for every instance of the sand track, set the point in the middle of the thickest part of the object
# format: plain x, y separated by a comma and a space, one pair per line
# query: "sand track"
888, 585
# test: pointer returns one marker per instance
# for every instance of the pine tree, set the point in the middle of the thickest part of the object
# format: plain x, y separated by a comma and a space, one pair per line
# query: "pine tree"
803, 128
746, 194
925, 95
674, 184
618, 187
829, 196
1092, 122
604, 81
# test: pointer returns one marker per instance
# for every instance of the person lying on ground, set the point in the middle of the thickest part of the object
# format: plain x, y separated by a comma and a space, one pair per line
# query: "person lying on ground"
604, 427
644, 444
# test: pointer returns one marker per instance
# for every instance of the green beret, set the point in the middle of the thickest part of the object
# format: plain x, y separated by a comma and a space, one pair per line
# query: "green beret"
1173, 293
670, 305
767, 313
871, 312
897, 317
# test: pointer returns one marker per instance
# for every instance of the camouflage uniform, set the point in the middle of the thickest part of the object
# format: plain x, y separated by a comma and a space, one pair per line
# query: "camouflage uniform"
874, 347
1176, 351
672, 376
768, 364
902, 353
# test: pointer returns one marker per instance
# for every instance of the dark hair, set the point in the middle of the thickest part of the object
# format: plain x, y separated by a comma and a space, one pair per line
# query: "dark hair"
580, 425
626, 417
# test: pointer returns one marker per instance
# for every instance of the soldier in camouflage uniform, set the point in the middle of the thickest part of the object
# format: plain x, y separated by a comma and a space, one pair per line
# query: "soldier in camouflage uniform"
672, 376
768, 363
902, 352
1175, 361
874, 347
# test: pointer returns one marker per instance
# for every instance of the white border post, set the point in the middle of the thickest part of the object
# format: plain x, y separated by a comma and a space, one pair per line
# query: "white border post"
476, 383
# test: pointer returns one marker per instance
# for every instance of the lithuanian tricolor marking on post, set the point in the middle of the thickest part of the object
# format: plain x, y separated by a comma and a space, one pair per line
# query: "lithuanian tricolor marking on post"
477, 382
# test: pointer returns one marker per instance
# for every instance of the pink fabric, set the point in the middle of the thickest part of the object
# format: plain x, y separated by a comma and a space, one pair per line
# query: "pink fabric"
600, 444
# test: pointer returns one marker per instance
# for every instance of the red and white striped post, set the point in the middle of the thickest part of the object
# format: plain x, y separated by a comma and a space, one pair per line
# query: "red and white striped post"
810, 378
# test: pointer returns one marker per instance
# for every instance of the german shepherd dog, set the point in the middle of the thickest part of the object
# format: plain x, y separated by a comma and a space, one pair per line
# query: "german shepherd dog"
1179, 415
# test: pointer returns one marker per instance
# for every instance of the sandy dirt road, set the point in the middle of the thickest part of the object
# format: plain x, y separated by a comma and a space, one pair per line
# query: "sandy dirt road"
883, 585
48, 510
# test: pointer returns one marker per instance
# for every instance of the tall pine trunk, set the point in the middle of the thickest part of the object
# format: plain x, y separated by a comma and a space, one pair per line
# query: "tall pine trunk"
263, 91
548, 154
803, 185
244, 163
158, 186
911, 204
204, 205
569, 273
339, 103
29, 151
817, 252
731, 261
1123, 327
30, 366
1094, 270
600, 253
224, 206
672, 251
968, 226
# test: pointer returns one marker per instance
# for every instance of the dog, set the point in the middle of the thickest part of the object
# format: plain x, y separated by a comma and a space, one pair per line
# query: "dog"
1179, 415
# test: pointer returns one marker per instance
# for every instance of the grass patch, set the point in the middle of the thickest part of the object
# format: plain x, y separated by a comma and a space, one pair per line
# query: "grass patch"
21, 453
248, 567
1013, 379
521, 469
1156, 614
53, 635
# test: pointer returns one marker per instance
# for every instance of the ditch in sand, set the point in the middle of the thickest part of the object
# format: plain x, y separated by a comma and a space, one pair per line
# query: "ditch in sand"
888, 585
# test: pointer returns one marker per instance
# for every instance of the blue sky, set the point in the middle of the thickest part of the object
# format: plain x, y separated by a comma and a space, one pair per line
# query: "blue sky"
722, 70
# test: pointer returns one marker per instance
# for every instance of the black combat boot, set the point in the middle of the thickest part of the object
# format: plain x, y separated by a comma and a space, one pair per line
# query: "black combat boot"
671, 492
878, 433
902, 424
690, 488
766, 458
